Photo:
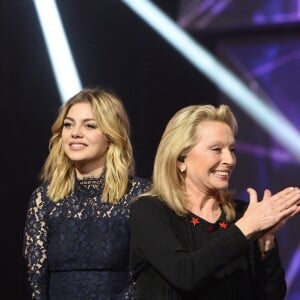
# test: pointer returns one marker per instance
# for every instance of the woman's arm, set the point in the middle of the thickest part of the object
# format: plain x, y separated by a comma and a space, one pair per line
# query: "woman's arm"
154, 241
269, 274
35, 246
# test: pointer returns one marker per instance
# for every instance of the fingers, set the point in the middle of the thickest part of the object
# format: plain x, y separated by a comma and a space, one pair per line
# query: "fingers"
292, 211
284, 199
287, 192
288, 213
267, 194
272, 210
252, 195
297, 210
289, 199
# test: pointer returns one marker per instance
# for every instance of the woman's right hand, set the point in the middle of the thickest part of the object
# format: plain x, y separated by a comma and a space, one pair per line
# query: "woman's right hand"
261, 215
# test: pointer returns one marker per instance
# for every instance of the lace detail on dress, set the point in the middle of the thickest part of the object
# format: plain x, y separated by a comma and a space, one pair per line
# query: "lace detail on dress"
78, 248
91, 186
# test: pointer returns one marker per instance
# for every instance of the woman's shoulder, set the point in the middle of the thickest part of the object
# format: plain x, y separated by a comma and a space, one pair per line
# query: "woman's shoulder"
140, 184
39, 195
148, 209
40, 189
149, 203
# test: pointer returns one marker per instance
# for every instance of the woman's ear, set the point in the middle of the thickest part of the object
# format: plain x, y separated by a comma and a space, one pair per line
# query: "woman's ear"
181, 165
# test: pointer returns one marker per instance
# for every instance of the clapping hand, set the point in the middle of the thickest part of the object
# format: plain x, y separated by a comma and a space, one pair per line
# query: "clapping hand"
266, 217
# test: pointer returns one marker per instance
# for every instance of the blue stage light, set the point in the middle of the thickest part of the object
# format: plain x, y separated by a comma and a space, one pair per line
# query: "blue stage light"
65, 72
267, 116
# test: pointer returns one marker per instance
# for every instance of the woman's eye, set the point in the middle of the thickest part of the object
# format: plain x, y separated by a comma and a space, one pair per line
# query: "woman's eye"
92, 126
216, 149
232, 149
67, 124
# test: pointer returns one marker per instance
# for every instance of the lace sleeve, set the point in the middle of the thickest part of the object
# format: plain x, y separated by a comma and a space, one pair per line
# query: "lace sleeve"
35, 245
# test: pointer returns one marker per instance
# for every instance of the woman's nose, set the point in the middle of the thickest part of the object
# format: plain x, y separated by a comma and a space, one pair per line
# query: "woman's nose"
76, 132
229, 157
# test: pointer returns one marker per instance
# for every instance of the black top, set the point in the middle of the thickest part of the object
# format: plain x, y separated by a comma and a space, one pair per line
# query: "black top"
189, 258
78, 248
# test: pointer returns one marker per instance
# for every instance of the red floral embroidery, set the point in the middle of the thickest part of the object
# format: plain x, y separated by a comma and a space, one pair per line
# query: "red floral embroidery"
195, 221
223, 225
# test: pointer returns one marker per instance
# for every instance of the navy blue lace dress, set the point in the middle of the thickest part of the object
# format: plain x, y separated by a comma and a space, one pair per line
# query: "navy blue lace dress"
78, 248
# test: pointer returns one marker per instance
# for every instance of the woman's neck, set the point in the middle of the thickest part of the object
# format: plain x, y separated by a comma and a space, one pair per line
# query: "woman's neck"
95, 173
207, 207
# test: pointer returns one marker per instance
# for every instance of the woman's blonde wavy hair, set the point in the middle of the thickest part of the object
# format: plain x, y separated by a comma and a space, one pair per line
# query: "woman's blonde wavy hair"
179, 137
111, 117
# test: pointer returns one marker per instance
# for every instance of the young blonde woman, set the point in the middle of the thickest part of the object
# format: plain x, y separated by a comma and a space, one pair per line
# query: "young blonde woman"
190, 239
77, 234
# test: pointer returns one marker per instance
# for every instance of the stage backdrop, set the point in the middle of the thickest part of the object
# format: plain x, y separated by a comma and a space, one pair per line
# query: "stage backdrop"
259, 42
114, 48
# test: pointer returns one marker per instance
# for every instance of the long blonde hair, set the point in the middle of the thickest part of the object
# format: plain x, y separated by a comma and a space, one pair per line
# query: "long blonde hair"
179, 137
111, 117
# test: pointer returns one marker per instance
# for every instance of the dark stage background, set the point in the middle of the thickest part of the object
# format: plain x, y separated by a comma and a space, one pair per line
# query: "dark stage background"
114, 48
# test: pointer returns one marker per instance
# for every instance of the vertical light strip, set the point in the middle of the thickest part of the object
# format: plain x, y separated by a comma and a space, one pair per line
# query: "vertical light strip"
65, 73
272, 120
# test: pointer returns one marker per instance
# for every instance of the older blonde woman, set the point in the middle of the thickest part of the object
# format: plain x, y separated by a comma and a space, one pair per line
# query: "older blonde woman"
190, 239
77, 231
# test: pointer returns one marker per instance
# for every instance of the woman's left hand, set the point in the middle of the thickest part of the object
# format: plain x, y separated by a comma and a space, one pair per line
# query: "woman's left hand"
266, 238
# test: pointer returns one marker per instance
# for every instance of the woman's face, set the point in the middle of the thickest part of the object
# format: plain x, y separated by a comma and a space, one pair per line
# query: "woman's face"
209, 164
83, 142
